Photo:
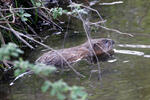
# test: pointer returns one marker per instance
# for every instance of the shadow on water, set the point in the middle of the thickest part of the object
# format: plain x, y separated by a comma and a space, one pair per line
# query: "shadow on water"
126, 78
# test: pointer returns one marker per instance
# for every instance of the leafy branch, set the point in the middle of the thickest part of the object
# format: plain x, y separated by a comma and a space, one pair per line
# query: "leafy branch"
60, 89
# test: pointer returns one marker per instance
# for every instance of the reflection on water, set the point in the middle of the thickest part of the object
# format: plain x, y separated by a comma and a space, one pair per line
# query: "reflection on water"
111, 61
147, 56
129, 52
133, 46
126, 78
112, 3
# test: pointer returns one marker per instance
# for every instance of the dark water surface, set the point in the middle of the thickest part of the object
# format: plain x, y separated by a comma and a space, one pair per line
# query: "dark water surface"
128, 78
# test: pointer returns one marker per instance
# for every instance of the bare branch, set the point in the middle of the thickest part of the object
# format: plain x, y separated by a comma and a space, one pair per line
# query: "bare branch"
117, 31
13, 21
89, 40
2, 38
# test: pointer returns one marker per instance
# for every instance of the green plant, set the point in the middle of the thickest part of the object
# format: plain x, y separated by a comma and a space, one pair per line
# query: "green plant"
9, 50
56, 12
41, 69
60, 89
77, 9
23, 15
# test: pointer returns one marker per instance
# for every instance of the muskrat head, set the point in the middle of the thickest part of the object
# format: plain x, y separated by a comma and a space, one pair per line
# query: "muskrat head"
103, 45
103, 48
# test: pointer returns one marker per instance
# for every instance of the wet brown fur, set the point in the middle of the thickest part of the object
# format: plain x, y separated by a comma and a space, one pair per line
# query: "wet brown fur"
102, 48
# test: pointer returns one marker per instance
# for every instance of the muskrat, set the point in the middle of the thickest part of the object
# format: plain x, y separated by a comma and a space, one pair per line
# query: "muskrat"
103, 49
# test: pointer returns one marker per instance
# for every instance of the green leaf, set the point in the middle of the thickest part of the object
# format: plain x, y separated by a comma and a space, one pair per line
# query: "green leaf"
21, 11
46, 86
9, 50
26, 15
78, 93
65, 11
60, 96
24, 19
17, 72
14, 54
38, 4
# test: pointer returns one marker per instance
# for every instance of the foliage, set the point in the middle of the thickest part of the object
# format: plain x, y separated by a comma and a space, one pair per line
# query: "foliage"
17, 20
56, 12
77, 9
59, 88
24, 16
9, 50
21, 67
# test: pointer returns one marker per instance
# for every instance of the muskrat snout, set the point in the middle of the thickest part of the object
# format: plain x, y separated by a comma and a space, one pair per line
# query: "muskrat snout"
108, 43
105, 41
113, 42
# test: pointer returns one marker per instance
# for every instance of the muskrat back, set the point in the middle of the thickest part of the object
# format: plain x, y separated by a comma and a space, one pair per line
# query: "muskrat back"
62, 57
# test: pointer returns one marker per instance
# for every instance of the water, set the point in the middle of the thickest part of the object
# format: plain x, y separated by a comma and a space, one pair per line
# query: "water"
126, 78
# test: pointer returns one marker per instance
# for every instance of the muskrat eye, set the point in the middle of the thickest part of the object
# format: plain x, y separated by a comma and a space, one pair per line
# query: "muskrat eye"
105, 41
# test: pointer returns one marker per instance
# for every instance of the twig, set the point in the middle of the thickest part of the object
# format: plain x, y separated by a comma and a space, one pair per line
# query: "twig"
2, 38
4, 22
94, 11
103, 21
19, 9
96, 23
98, 64
50, 21
31, 29
16, 34
114, 30
13, 21
6, 17
89, 40
6, 64
65, 36
20, 34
